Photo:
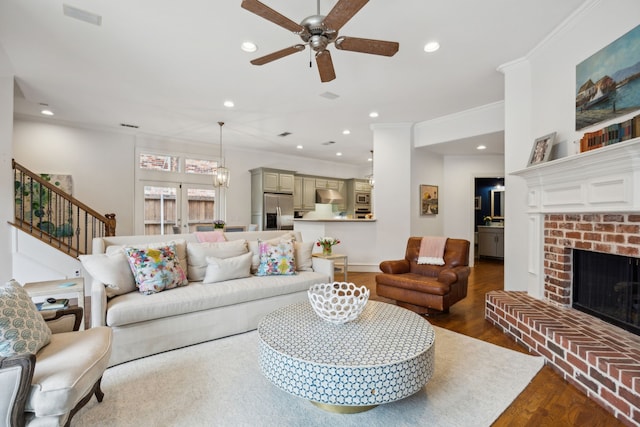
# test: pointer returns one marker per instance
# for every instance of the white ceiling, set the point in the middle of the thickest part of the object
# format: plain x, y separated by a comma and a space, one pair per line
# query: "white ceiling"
168, 66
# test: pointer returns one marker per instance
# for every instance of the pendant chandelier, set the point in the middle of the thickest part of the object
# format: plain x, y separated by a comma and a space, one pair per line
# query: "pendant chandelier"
222, 175
370, 177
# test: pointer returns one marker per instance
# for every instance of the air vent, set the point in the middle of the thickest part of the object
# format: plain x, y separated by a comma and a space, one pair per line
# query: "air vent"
283, 134
328, 143
82, 15
329, 95
126, 125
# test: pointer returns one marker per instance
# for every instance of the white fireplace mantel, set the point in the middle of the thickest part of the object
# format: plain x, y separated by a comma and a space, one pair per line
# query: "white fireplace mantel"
601, 180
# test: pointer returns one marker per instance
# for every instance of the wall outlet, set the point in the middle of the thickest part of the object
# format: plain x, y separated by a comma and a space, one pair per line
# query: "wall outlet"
77, 273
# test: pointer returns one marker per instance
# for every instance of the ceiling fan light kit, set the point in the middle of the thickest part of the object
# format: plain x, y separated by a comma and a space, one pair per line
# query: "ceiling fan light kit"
319, 31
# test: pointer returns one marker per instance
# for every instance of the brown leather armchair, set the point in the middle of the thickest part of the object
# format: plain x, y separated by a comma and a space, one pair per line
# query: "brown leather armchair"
424, 288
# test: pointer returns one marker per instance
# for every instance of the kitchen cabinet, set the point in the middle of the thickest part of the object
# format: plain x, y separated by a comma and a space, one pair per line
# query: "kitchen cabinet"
362, 186
304, 193
278, 182
308, 193
263, 181
491, 241
297, 192
329, 184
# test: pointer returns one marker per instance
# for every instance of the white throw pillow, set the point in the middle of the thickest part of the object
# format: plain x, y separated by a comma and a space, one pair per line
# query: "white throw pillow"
303, 257
219, 269
112, 270
197, 254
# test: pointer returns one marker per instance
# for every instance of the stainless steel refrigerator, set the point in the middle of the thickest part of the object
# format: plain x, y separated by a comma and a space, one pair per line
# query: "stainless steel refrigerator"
278, 211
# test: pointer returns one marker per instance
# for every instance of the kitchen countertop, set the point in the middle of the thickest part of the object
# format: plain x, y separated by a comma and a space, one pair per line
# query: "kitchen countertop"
334, 220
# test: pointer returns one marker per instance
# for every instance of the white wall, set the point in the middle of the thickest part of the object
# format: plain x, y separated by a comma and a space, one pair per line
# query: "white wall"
427, 168
540, 98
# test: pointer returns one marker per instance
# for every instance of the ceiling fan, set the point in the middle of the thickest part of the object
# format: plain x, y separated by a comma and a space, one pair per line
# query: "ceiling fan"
318, 31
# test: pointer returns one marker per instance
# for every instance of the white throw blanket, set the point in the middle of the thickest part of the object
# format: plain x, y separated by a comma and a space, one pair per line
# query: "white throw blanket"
432, 250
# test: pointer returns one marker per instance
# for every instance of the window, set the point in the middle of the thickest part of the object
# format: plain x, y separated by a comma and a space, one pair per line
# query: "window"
158, 162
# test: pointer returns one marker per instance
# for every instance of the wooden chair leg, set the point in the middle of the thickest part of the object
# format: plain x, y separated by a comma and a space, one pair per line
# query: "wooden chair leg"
94, 390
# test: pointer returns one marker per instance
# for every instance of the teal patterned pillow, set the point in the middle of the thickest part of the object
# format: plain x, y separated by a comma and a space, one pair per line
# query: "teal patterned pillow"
156, 269
276, 258
22, 328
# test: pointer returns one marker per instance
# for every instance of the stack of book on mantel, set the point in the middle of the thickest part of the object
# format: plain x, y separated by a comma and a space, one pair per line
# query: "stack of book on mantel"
53, 304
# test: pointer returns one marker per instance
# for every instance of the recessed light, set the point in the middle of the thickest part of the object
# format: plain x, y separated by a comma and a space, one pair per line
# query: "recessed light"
338, 154
373, 114
346, 132
248, 46
299, 147
481, 147
46, 112
228, 104
431, 47
370, 159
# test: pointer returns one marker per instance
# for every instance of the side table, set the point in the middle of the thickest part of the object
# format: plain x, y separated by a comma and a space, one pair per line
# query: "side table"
39, 291
344, 259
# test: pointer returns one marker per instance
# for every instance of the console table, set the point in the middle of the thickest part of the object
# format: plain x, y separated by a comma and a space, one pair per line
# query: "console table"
385, 355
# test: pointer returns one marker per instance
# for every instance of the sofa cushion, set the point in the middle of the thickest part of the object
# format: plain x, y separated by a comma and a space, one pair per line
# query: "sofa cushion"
254, 248
210, 236
303, 255
67, 369
112, 270
276, 259
220, 269
180, 244
197, 254
22, 328
156, 269
134, 307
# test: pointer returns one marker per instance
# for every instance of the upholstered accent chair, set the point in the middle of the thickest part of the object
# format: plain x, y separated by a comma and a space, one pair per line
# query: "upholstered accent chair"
48, 388
425, 288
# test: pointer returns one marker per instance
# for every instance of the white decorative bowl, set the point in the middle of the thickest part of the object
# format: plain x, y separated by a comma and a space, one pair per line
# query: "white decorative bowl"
338, 302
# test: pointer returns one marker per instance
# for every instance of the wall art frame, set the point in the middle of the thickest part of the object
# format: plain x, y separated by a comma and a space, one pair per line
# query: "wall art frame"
541, 149
428, 199
608, 82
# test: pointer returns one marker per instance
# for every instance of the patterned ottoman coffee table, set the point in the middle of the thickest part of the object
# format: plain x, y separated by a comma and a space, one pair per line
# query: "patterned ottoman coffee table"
384, 355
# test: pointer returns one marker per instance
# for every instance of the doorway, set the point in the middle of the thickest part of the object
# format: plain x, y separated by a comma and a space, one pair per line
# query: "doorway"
489, 203
174, 207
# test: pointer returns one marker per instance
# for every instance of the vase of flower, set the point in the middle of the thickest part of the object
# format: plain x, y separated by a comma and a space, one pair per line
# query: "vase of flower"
326, 243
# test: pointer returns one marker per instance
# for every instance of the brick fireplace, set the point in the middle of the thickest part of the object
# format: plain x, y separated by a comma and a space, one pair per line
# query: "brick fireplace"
589, 201
609, 233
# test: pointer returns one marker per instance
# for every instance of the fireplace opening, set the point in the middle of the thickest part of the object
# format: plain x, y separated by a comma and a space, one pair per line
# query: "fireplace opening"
607, 286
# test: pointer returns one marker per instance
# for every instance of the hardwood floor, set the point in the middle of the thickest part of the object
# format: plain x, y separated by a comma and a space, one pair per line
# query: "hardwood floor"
548, 400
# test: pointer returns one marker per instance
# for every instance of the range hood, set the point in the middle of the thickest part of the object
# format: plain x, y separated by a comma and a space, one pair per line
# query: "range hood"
328, 196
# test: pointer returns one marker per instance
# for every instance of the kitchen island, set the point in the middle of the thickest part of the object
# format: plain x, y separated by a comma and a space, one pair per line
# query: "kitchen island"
358, 239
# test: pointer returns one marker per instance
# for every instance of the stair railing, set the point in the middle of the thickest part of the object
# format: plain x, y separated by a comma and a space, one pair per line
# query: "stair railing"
49, 214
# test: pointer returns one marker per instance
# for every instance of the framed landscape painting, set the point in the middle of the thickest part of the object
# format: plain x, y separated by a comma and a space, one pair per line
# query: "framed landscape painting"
428, 199
608, 82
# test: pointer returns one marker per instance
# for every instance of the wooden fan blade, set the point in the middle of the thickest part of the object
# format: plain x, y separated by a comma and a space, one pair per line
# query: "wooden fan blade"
342, 12
277, 55
269, 14
375, 47
325, 66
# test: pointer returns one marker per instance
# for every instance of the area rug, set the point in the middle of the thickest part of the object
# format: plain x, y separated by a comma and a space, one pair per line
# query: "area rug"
219, 383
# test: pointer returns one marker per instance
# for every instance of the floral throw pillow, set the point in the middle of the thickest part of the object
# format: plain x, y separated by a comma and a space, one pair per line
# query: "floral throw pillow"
156, 269
22, 328
276, 258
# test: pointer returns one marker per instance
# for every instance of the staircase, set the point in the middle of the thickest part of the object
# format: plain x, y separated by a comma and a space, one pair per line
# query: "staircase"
45, 211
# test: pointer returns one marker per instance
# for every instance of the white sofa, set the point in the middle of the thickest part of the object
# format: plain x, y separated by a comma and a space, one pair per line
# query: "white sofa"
147, 324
